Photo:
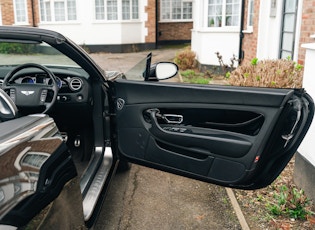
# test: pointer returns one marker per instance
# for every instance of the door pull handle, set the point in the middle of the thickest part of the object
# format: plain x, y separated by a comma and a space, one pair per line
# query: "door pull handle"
172, 118
168, 118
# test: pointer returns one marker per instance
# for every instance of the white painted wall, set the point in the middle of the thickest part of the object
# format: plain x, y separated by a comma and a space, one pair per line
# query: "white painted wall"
269, 30
86, 30
100, 33
307, 147
205, 41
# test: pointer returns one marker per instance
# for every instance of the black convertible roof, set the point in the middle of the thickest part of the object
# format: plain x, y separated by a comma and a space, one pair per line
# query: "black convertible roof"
31, 34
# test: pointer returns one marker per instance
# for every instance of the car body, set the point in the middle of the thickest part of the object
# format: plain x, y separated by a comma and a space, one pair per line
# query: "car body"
66, 125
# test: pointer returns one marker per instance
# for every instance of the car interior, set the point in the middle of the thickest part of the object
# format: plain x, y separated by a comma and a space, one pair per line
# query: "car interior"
46, 81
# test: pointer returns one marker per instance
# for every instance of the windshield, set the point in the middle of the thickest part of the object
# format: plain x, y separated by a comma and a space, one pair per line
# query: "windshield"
16, 53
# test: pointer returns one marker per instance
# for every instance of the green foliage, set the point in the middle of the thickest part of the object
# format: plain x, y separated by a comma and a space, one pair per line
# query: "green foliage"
188, 73
298, 67
254, 61
198, 80
289, 201
16, 48
191, 76
185, 59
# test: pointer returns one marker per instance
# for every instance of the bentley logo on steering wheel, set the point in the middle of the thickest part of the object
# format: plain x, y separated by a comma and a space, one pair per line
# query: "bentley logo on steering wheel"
27, 93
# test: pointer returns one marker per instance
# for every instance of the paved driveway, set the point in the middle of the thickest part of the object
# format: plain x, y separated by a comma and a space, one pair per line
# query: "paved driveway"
144, 198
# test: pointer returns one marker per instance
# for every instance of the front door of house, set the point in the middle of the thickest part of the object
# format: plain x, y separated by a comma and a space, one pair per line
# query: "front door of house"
288, 29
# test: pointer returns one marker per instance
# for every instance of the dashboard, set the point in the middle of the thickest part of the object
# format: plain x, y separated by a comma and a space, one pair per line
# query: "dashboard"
73, 83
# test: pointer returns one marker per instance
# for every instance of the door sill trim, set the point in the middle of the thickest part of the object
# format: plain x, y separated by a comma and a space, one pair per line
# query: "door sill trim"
94, 191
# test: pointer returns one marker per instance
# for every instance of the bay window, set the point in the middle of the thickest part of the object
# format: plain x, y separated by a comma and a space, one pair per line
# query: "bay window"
57, 10
224, 13
176, 10
130, 9
116, 9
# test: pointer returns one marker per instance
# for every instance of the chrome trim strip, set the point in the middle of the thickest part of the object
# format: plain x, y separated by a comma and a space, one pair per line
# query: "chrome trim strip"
95, 189
7, 227
91, 170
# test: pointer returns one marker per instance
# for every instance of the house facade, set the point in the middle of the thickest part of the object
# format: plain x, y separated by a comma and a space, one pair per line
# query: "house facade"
106, 25
266, 29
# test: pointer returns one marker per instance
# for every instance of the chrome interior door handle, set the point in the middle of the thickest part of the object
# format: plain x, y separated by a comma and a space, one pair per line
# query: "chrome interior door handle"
168, 118
172, 118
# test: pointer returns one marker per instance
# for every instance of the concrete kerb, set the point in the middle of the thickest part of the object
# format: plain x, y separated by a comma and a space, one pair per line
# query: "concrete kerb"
237, 209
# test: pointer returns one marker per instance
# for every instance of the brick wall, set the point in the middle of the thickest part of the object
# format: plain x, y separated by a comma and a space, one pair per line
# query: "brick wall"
250, 39
170, 31
173, 31
150, 24
7, 12
307, 27
33, 14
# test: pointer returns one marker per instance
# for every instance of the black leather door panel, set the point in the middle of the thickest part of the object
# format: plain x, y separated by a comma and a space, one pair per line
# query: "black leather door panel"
212, 133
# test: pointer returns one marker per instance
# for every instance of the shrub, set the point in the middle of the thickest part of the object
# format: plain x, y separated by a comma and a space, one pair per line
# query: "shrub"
268, 73
185, 59
188, 73
15, 48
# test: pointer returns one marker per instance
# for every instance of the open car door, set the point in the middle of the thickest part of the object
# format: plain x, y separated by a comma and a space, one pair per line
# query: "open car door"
238, 137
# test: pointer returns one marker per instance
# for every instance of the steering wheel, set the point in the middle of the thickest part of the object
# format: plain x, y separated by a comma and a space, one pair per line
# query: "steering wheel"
31, 95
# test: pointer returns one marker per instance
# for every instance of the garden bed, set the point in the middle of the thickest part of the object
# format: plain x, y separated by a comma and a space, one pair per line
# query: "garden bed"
281, 205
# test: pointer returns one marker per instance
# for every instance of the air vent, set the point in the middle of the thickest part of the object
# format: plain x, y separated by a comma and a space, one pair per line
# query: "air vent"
75, 84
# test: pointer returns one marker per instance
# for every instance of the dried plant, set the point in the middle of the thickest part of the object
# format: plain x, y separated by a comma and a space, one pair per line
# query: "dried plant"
226, 69
185, 59
268, 73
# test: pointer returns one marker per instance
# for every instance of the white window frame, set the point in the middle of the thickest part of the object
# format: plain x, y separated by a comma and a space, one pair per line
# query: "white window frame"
50, 15
169, 3
250, 15
16, 18
133, 15
222, 25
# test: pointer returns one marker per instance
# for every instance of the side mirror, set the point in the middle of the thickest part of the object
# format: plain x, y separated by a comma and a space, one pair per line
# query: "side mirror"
162, 71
